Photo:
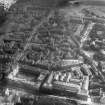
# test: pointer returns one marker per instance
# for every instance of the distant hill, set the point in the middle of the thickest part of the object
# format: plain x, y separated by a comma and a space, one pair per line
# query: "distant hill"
93, 2
46, 3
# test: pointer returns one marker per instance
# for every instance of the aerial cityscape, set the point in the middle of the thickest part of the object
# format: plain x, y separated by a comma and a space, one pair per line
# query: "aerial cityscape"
52, 52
